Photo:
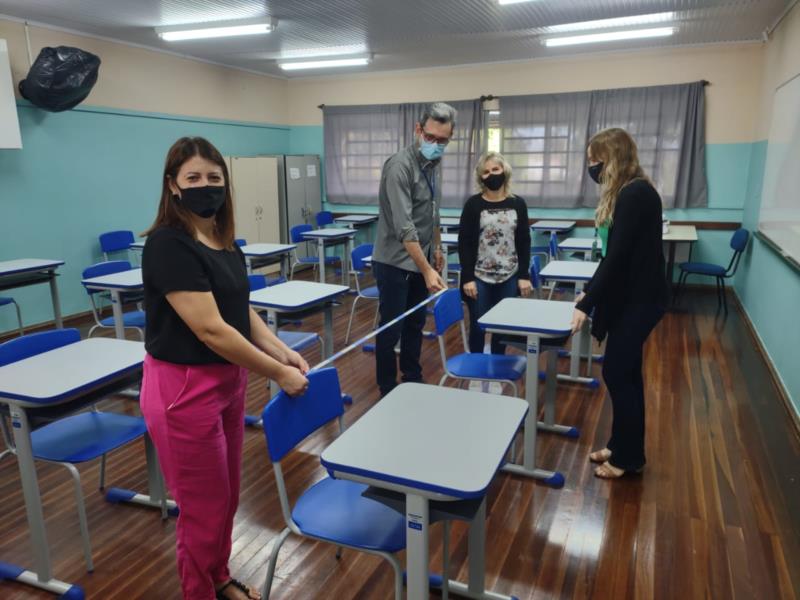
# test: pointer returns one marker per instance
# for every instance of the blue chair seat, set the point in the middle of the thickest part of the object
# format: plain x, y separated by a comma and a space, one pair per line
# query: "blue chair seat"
703, 268
335, 510
85, 436
486, 366
5, 300
298, 340
455, 267
135, 318
313, 260
370, 292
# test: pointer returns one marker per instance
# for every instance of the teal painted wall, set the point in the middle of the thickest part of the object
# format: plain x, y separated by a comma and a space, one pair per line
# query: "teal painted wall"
91, 170
769, 288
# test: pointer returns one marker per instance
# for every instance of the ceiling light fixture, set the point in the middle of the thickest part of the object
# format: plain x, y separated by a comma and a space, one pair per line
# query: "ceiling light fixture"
512, 1
325, 64
594, 38
216, 29
649, 19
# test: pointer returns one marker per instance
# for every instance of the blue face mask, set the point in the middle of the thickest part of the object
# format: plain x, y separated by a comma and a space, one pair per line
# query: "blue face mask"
431, 150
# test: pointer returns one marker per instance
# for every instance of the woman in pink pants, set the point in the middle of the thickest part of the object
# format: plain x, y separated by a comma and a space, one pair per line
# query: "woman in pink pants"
201, 339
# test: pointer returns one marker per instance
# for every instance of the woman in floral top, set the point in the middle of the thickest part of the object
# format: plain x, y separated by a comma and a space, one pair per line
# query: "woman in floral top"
494, 245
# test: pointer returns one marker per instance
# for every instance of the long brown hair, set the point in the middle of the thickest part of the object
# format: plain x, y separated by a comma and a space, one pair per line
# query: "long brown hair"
617, 151
171, 213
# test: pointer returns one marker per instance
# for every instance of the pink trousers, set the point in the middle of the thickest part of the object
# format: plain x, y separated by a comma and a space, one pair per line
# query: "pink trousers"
195, 417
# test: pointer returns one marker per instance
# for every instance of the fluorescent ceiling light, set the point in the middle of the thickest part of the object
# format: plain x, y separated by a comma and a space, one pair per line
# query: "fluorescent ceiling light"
593, 38
512, 1
324, 64
662, 17
331, 51
216, 29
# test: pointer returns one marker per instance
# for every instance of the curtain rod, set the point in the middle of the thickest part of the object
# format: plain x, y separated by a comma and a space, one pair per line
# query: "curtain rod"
491, 97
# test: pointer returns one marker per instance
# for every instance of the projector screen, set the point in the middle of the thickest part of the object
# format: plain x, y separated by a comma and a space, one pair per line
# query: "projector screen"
9, 124
779, 219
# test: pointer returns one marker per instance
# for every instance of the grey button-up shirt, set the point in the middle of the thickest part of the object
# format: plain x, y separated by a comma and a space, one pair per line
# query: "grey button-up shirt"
408, 211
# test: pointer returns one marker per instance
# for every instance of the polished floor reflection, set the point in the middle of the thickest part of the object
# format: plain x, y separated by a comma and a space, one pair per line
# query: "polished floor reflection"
715, 515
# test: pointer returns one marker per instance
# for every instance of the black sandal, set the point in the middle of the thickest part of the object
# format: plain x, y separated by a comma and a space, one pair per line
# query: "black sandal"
237, 584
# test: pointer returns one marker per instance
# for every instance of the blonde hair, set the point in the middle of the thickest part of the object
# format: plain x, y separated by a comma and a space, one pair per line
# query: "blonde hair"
617, 151
500, 160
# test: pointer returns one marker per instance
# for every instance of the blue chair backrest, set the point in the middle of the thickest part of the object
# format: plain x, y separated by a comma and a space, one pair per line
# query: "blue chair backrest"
112, 241
105, 268
447, 310
288, 421
297, 232
257, 281
36, 343
240, 242
358, 255
739, 239
324, 217
536, 266
553, 245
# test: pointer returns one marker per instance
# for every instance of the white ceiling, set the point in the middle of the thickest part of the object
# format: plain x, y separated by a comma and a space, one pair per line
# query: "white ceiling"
402, 34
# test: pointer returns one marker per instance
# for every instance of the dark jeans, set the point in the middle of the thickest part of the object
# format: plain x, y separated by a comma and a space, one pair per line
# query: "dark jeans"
399, 290
622, 372
489, 294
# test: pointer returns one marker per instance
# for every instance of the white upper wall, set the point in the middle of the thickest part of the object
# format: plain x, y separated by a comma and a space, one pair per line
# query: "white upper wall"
135, 78
732, 98
781, 63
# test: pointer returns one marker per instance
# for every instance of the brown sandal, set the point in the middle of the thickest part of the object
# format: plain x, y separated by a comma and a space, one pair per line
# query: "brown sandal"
240, 586
600, 456
609, 471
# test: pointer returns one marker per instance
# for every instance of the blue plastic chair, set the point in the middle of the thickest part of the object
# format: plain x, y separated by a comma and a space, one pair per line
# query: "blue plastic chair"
448, 311
324, 217
240, 242
6, 301
739, 241
331, 510
296, 340
115, 241
550, 250
357, 257
296, 235
134, 319
76, 438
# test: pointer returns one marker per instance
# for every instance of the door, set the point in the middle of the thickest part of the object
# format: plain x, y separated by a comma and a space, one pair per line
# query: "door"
245, 200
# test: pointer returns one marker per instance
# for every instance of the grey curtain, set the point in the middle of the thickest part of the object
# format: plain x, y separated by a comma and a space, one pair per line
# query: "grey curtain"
359, 139
545, 138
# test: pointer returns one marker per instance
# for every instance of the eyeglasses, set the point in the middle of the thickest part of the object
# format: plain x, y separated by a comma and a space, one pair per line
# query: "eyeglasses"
431, 139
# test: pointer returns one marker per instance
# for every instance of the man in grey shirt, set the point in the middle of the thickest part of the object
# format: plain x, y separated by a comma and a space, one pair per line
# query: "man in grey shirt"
407, 257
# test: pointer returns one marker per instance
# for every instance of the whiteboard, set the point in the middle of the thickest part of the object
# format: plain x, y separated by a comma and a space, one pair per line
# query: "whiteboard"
779, 219
9, 123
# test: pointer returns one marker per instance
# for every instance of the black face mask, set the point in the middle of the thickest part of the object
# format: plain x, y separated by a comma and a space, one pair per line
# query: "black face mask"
494, 181
594, 171
203, 201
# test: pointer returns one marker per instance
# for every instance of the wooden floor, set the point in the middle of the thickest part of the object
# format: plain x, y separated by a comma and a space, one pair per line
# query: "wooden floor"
715, 515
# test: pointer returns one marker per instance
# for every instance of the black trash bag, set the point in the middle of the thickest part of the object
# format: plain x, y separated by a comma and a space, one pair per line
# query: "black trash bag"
60, 78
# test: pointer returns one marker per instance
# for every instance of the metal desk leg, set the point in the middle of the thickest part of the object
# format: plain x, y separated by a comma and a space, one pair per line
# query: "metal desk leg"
348, 248
42, 577
670, 262
116, 307
283, 266
327, 342
156, 496
272, 323
321, 255
248, 262
549, 423
417, 552
528, 467
56, 301
580, 341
